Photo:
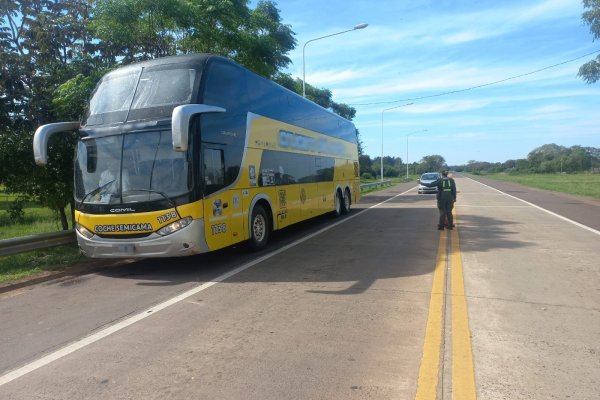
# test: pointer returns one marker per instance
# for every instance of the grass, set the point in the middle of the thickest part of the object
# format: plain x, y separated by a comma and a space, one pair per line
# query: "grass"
36, 220
578, 184
23, 265
376, 189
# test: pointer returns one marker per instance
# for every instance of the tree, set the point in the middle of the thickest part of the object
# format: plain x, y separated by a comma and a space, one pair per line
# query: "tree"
145, 29
322, 97
590, 71
42, 44
432, 163
365, 166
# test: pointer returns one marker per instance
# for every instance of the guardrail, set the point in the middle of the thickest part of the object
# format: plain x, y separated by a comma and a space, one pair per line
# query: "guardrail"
36, 242
45, 240
372, 185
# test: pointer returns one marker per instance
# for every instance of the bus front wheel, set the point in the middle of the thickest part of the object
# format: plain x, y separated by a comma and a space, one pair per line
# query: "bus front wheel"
259, 228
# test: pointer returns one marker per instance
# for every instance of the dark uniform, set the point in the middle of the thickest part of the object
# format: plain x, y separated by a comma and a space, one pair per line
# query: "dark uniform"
446, 196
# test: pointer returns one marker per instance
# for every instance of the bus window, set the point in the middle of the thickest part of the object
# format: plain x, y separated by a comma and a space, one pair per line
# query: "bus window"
160, 88
112, 98
214, 170
226, 87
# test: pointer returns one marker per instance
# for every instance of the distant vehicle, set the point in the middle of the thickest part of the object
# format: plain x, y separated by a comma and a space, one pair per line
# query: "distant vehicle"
190, 154
428, 177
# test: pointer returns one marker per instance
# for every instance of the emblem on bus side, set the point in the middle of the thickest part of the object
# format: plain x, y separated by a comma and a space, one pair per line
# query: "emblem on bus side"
282, 199
217, 208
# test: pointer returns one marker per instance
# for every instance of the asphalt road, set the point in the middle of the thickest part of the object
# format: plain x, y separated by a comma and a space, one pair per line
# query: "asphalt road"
368, 306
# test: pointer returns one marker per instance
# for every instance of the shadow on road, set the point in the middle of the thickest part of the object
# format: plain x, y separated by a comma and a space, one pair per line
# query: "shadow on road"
398, 239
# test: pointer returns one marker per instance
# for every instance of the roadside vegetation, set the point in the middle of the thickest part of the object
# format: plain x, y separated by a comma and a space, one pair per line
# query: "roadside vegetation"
18, 266
19, 218
577, 184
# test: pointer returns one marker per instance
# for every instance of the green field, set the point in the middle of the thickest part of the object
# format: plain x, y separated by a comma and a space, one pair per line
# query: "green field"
578, 184
36, 220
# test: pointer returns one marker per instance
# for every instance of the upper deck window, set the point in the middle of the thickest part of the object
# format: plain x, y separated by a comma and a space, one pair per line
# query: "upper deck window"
136, 94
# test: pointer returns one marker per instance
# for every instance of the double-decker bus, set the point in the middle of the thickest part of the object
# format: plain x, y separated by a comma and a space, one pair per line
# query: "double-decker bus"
188, 154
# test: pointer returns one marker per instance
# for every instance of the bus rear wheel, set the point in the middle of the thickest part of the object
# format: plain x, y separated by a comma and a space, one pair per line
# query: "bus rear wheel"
347, 202
259, 228
337, 211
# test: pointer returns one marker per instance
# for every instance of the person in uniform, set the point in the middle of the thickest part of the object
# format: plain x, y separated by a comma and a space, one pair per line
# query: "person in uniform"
446, 197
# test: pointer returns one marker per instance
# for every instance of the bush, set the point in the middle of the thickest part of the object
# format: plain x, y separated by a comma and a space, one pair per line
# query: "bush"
15, 212
366, 176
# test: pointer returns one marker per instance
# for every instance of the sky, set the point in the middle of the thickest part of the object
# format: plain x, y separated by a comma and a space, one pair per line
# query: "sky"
415, 51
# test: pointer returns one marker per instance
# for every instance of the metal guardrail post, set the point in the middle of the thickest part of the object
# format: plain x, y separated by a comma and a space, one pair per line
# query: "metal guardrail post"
36, 242
375, 185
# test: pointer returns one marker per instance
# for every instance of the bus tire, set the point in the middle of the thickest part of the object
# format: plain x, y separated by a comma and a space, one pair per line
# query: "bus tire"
337, 210
347, 202
259, 228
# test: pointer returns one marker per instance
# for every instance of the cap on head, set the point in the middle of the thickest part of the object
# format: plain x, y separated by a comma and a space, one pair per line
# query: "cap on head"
445, 172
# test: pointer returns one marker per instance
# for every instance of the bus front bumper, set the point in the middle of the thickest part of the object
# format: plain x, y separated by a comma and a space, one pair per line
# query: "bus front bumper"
187, 241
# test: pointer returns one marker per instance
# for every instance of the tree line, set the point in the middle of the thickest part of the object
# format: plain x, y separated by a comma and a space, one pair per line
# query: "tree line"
53, 52
546, 159
394, 167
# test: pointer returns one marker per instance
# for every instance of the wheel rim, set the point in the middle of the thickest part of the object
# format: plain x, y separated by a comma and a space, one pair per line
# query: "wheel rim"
338, 203
347, 200
259, 228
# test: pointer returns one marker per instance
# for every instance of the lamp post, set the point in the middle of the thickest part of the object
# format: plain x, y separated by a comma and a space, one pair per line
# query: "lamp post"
359, 26
387, 109
412, 133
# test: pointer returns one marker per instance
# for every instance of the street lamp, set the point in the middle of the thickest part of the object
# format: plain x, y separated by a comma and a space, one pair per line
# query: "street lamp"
412, 133
387, 109
359, 26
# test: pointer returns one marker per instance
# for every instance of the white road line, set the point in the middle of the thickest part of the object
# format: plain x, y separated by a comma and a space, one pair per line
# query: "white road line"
94, 337
478, 206
587, 228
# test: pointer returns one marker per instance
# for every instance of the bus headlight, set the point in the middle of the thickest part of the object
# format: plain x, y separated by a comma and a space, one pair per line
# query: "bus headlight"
175, 226
84, 232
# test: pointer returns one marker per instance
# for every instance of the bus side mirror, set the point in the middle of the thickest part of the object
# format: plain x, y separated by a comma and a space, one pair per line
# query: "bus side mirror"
43, 133
180, 122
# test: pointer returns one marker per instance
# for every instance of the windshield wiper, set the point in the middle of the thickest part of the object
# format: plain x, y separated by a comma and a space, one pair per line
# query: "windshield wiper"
163, 194
95, 191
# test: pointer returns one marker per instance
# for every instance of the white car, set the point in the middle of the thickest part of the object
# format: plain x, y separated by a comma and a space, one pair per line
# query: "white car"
428, 177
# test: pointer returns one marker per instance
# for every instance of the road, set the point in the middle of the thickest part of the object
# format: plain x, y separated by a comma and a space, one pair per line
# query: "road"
375, 305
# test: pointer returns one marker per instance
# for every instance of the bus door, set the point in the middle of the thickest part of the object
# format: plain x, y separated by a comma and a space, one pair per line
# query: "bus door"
223, 213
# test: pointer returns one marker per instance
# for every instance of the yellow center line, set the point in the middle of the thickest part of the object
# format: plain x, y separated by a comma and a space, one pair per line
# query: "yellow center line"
463, 374
430, 362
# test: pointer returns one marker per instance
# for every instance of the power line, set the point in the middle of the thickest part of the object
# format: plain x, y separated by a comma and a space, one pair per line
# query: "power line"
475, 87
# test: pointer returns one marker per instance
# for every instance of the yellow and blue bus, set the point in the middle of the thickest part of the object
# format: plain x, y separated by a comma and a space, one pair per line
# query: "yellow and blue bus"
188, 154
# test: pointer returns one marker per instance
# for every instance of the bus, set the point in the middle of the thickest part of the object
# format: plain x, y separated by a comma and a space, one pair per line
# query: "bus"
188, 154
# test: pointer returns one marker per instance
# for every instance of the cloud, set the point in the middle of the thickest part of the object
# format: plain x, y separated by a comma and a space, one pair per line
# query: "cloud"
551, 109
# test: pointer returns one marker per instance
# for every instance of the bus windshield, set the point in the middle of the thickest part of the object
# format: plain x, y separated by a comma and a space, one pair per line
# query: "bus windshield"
131, 168
139, 93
